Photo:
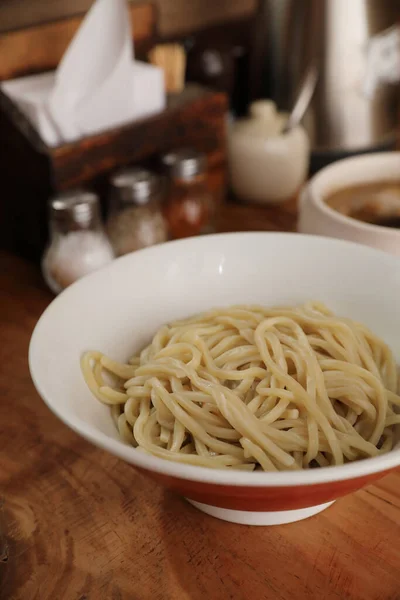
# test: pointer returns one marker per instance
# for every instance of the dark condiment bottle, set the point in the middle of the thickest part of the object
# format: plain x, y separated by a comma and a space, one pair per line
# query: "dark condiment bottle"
189, 208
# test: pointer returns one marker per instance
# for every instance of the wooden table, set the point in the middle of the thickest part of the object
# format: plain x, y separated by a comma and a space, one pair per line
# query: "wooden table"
82, 525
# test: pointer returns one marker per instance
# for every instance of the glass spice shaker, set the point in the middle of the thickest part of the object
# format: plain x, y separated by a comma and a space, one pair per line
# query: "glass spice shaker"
78, 243
135, 217
189, 209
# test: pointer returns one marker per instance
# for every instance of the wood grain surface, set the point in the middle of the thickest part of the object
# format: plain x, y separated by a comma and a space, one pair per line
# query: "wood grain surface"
175, 15
79, 524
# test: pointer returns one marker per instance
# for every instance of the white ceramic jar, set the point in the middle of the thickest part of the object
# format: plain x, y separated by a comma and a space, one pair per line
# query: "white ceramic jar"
266, 165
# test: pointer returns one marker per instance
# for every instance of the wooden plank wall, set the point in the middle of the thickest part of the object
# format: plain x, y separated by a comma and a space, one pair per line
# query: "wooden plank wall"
41, 46
175, 16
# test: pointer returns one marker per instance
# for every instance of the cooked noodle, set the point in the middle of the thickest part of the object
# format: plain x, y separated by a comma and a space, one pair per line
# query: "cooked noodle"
247, 387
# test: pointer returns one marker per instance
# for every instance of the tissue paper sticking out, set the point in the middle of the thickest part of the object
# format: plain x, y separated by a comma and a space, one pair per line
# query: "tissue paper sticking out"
97, 84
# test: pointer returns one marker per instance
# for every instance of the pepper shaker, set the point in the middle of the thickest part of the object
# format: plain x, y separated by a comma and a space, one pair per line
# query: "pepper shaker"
135, 218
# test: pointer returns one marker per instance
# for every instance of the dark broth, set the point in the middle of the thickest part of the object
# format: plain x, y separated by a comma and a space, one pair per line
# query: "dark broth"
376, 203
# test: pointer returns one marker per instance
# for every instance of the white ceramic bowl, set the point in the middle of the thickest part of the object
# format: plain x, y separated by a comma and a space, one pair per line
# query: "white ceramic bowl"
118, 309
318, 218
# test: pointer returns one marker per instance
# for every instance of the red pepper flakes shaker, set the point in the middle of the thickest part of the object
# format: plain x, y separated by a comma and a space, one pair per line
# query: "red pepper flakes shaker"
189, 208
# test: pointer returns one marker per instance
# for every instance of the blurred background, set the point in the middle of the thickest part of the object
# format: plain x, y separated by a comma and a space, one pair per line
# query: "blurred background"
172, 118
176, 16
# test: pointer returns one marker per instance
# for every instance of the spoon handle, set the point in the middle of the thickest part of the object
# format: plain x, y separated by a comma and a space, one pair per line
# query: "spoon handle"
304, 98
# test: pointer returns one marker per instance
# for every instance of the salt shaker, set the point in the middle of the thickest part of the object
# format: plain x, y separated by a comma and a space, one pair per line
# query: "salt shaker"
189, 208
78, 243
135, 216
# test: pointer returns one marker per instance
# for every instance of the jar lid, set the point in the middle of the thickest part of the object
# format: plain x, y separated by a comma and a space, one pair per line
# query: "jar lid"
264, 109
185, 163
77, 207
135, 185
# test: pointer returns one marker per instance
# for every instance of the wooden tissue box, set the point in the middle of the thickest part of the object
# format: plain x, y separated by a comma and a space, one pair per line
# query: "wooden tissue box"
33, 171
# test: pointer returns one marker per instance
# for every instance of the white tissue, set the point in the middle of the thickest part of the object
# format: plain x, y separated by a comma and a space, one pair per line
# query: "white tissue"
97, 84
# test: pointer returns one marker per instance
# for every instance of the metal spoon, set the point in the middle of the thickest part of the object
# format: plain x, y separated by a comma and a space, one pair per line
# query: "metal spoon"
307, 89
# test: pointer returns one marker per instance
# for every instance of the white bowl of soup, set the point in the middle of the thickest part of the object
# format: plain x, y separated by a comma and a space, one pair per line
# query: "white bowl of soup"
255, 374
356, 199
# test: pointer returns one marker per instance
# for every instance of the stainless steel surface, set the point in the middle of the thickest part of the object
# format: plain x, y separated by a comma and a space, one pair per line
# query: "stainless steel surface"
356, 44
304, 98
77, 208
168, 159
188, 163
134, 185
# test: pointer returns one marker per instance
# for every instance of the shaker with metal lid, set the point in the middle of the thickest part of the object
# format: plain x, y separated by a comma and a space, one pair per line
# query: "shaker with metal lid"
78, 244
135, 217
189, 209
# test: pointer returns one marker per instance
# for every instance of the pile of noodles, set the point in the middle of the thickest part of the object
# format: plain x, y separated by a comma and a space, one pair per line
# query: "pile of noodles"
249, 387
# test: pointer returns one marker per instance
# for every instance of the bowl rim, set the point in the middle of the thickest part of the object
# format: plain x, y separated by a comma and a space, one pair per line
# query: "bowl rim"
312, 194
219, 477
